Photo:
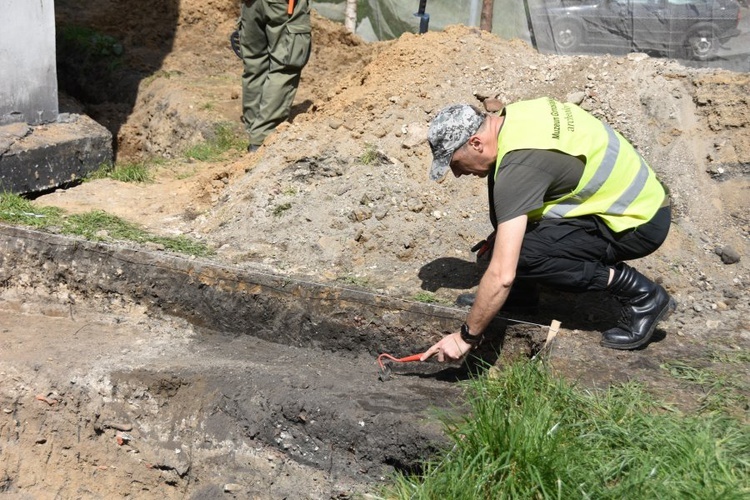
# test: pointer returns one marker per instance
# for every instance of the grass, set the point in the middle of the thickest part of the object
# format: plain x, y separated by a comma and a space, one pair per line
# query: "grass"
160, 74
278, 210
530, 435
225, 139
95, 225
17, 210
720, 392
426, 297
135, 172
359, 281
93, 43
370, 155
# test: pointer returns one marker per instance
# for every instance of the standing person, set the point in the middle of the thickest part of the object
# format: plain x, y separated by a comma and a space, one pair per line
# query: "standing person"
275, 42
570, 199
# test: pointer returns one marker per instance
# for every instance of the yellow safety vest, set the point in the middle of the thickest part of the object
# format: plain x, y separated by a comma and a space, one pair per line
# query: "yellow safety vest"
617, 184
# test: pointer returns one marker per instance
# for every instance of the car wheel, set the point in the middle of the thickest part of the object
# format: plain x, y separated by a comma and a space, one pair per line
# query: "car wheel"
567, 35
701, 43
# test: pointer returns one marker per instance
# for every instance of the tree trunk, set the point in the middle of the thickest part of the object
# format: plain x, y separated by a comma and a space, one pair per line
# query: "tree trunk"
485, 22
350, 17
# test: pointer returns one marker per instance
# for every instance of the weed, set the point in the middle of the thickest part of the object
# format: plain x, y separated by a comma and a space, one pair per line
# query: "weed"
132, 172
530, 435
99, 225
225, 139
280, 209
139, 171
426, 297
370, 155
95, 225
354, 280
720, 392
91, 52
91, 42
686, 372
730, 357
15, 209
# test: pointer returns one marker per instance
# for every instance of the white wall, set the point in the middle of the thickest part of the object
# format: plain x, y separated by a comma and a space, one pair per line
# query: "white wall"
28, 77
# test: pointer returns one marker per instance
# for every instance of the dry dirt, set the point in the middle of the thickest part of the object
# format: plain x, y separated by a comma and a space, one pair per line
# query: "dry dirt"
340, 196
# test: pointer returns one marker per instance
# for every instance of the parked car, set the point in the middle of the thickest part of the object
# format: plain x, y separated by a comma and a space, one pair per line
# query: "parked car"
688, 29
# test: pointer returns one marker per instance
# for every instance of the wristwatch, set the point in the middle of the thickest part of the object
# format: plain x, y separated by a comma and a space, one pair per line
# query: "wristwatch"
466, 336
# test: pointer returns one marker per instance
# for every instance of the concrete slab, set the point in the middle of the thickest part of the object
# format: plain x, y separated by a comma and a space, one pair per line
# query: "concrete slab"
42, 157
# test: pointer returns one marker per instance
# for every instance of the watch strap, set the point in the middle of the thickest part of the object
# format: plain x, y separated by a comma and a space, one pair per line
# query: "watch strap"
467, 337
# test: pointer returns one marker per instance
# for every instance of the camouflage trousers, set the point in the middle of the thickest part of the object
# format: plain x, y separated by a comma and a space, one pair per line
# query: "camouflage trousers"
275, 46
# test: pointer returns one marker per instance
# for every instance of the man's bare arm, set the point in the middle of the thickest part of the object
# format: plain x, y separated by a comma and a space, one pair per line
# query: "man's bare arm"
492, 292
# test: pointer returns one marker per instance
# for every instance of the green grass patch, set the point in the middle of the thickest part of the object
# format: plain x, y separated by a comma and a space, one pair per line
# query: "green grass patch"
426, 297
90, 41
370, 155
719, 392
730, 357
226, 138
353, 280
278, 210
96, 225
15, 209
531, 435
135, 172
99, 225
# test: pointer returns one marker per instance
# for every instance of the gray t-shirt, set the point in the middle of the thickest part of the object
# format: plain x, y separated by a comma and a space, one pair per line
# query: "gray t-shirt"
527, 178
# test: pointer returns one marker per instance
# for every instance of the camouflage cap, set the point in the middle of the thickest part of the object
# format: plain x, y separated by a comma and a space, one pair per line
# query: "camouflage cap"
449, 130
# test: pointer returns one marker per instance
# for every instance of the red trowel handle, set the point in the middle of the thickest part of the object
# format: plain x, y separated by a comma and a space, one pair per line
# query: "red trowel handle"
407, 359
384, 370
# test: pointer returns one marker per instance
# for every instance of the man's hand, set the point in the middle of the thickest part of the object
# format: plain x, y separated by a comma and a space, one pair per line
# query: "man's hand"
449, 348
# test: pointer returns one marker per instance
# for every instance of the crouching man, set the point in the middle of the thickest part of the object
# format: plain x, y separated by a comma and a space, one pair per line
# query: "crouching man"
570, 199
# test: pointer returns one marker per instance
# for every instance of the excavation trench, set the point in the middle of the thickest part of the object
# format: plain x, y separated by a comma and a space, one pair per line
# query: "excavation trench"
184, 372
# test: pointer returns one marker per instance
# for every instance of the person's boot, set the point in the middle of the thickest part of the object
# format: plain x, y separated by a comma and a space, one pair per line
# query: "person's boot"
645, 303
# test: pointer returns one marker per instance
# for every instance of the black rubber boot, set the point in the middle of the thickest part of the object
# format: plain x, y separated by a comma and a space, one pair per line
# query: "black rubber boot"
645, 303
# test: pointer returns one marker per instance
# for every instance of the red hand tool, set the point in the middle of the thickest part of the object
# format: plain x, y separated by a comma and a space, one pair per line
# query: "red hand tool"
384, 367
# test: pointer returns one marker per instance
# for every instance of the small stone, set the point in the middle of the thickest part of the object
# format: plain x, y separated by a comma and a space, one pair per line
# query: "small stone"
493, 105
729, 255
576, 97
360, 214
414, 205
232, 487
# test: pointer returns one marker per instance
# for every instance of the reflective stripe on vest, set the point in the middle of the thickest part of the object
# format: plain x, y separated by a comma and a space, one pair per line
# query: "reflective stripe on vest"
602, 174
538, 124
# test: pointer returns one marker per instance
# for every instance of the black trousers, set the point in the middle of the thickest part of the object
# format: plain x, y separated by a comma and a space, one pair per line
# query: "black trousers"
576, 254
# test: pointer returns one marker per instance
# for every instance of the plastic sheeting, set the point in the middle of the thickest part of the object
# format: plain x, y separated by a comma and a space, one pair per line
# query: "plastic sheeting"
711, 33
